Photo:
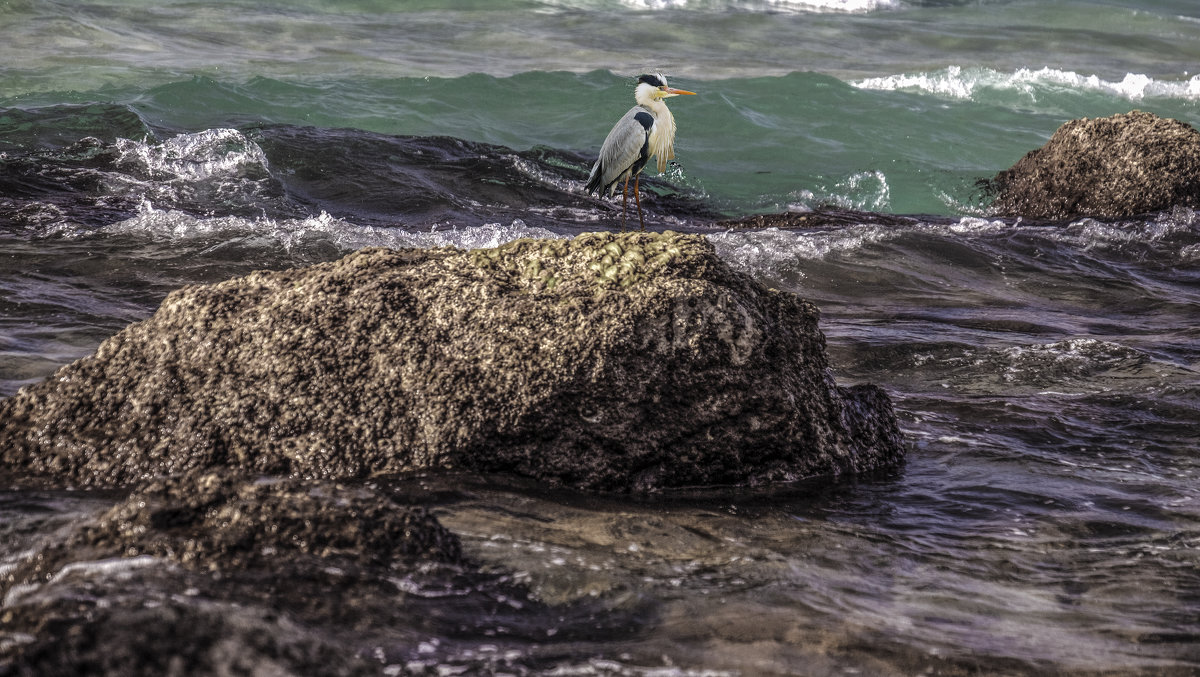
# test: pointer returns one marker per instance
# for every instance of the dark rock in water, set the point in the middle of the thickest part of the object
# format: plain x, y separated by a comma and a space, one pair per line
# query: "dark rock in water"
257, 558
214, 574
823, 218
171, 638
613, 362
1111, 167
218, 521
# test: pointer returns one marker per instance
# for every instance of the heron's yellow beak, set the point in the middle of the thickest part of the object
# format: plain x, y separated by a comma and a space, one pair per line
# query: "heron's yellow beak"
671, 91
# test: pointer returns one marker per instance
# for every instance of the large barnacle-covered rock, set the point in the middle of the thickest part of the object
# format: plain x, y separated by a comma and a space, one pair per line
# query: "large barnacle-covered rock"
621, 362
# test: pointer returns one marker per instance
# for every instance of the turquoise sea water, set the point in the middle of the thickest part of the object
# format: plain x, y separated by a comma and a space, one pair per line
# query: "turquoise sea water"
1047, 376
899, 108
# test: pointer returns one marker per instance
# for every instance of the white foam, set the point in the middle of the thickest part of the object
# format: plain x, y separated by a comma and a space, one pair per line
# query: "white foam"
956, 82
766, 6
1079, 352
1061, 361
16, 593
970, 225
480, 237
176, 226
866, 191
116, 566
604, 666
1090, 234
195, 157
220, 165
775, 249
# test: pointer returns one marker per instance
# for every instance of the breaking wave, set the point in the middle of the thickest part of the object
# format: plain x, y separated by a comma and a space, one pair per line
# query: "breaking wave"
956, 82
769, 6
294, 235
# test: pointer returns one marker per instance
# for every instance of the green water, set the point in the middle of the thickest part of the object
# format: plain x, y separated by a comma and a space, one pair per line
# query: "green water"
1046, 521
748, 144
900, 109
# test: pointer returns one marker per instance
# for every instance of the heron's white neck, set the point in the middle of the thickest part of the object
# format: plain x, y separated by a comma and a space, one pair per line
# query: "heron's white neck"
647, 95
662, 135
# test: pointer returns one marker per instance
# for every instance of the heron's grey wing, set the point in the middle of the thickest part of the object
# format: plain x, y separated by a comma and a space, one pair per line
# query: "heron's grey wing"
625, 149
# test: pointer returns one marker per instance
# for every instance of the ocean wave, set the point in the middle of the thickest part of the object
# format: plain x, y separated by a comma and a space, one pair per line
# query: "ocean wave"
1071, 363
196, 171
1170, 235
865, 191
784, 251
1076, 358
765, 6
956, 82
293, 235
776, 250
194, 157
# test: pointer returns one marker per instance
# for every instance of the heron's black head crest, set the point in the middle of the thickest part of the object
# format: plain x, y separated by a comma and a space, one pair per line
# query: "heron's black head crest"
652, 80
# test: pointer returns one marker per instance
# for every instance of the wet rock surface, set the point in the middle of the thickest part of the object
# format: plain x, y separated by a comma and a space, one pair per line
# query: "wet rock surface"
217, 574
214, 521
209, 574
1111, 167
827, 217
609, 362
169, 638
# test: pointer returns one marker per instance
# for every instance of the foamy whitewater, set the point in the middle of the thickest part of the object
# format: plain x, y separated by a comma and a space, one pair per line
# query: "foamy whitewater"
956, 83
1047, 376
850, 6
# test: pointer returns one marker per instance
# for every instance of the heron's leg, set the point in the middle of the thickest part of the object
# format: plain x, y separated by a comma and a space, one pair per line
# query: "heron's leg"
638, 199
625, 203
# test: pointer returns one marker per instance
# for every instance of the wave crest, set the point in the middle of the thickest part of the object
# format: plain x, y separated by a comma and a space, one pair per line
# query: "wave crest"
956, 82
297, 234
764, 6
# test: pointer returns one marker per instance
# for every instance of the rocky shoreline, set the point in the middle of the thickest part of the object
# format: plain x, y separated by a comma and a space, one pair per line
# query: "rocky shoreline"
250, 426
613, 362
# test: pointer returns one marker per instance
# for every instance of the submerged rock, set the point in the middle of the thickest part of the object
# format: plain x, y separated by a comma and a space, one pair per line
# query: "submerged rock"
220, 521
824, 217
1111, 167
217, 574
169, 637
211, 574
612, 361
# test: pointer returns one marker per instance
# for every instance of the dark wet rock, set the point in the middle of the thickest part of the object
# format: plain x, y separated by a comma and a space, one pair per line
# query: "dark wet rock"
1111, 167
170, 638
822, 218
209, 574
214, 521
214, 574
614, 362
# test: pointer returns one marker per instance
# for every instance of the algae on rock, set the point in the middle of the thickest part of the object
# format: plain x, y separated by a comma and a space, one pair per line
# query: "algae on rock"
1111, 167
633, 361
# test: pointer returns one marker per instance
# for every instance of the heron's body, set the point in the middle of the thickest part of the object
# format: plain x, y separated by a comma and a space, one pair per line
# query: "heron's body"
646, 131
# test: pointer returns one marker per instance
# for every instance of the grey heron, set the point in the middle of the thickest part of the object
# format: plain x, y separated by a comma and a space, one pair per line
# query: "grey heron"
647, 130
